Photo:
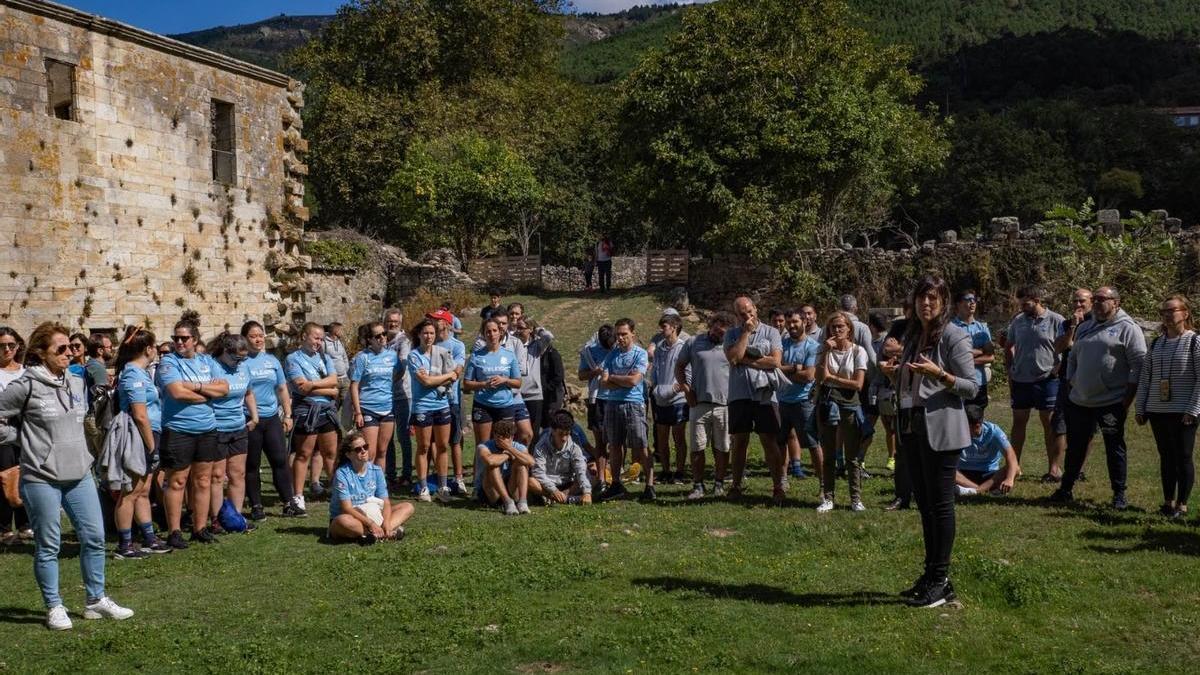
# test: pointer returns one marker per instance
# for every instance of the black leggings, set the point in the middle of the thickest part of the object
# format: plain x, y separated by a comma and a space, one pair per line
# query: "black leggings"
268, 436
932, 476
10, 457
900, 480
1175, 442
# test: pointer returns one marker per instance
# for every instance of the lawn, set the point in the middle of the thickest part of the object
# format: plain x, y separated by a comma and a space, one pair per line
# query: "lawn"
669, 587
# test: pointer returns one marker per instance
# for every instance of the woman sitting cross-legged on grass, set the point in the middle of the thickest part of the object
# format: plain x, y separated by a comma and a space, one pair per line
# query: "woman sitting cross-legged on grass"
359, 508
502, 473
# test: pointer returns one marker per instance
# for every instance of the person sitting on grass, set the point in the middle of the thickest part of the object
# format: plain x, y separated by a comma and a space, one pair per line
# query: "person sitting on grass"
560, 472
979, 464
359, 508
502, 477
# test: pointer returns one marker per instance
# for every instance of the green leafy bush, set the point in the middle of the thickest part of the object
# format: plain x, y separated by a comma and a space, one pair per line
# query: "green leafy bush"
337, 253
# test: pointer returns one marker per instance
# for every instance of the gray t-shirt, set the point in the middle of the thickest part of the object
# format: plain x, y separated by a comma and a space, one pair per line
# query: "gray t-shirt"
743, 382
1034, 357
710, 369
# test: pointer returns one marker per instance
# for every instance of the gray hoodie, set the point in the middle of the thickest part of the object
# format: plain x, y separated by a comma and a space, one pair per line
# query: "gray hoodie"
53, 448
558, 466
1105, 359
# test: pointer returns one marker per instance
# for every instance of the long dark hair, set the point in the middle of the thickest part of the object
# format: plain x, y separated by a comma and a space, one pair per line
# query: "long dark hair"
133, 345
227, 342
914, 329
19, 355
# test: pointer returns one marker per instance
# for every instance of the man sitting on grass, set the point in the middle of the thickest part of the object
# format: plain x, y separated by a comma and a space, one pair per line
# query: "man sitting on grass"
502, 477
560, 473
979, 464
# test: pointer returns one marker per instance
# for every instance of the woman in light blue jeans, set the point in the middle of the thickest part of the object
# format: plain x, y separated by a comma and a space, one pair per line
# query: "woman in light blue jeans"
50, 404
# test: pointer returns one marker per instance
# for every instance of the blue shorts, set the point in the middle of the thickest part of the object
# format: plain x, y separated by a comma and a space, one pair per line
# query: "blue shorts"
670, 415
436, 418
800, 417
1040, 395
373, 419
520, 412
486, 414
456, 423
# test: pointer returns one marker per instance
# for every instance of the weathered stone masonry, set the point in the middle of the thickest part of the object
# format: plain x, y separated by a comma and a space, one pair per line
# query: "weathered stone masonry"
113, 216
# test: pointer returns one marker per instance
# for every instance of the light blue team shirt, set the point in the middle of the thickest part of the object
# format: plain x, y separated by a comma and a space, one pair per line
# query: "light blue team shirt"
456, 324
424, 399
802, 352
374, 374
355, 488
230, 408
312, 368
188, 418
458, 351
627, 363
135, 386
980, 336
491, 446
266, 374
592, 356
986, 450
483, 365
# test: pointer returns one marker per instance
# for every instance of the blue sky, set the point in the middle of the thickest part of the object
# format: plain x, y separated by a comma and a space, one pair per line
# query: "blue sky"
181, 16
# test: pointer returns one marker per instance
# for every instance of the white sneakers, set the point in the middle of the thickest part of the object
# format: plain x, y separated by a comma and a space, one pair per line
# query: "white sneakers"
965, 491
826, 506
461, 487
443, 495
104, 608
57, 619
857, 506
696, 493
423, 495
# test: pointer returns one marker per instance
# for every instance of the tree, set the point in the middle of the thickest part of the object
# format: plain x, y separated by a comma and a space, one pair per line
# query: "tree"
1119, 185
767, 124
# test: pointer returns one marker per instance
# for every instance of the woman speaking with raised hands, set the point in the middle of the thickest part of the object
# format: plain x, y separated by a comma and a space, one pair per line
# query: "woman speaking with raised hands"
936, 373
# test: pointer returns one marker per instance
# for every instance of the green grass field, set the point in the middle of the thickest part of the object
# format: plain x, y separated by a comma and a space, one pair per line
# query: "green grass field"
669, 587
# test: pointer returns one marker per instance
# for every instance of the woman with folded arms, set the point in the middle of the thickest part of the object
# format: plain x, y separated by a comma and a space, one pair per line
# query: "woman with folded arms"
433, 371
314, 386
237, 414
274, 408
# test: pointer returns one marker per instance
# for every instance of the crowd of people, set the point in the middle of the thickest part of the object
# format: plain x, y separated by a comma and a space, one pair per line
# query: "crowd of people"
146, 440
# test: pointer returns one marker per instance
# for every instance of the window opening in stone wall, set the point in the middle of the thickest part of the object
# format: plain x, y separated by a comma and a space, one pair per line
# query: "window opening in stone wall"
60, 89
224, 157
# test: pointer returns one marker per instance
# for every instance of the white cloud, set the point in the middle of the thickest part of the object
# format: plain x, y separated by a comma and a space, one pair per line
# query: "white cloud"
610, 6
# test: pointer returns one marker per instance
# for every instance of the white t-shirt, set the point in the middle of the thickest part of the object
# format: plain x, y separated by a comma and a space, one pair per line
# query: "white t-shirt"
7, 377
844, 364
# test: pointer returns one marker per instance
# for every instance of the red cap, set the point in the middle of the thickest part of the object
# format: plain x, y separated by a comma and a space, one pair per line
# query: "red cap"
441, 314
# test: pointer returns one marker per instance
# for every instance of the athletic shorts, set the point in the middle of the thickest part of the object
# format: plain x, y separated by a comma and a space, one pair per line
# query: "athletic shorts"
436, 418
595, 415
800, 417
374, 419
981, 399
625, 424
482, 414
976, 477
747, 416
1040, 395
180, 449
520, 411
670, 415
456, 423
709, 424
232, 443
311, 422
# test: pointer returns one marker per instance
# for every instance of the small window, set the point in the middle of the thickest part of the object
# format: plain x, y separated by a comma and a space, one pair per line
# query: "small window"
224, 143
60, 89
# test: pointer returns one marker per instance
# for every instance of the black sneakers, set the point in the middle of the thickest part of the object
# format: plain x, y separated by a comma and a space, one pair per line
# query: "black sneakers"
175, 540
258, 513
648, 495
1061, 496
917, 588
935, 594
204, 536
614, 491
1119, 503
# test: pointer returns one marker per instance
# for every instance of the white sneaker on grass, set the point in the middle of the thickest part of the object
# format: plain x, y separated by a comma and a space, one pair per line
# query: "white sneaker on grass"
460, 487
105, 608
696, 493
826, 506
510, 508
965, 491
857, 506
423, 495
443, 495
57, 619
523, 507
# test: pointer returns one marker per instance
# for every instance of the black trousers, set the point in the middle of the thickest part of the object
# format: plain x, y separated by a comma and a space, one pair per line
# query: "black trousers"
10, 456
932, 475
604, 267
1175, 441
267, 437
901, 481
1081, 426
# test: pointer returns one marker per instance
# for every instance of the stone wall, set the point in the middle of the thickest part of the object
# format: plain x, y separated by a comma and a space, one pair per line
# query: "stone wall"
629, 271
112, 216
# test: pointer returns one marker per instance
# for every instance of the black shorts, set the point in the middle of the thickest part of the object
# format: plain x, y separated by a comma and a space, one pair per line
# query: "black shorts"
232, 443
309, 422
976, 477
180, 449
372, 419
436, 418
484, 414
981, 399
595, 415
747, 416
670, 415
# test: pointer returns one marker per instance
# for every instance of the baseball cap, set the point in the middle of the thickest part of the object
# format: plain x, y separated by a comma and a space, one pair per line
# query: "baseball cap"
442, 315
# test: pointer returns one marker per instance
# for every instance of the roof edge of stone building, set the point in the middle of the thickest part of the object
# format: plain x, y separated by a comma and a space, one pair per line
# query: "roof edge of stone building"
99, 24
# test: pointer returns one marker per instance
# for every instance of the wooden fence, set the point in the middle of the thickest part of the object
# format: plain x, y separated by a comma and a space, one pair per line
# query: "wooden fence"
512, 270
667, 267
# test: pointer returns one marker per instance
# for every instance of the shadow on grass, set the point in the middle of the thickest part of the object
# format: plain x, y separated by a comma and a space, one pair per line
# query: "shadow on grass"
21, 615
304, 530
770, 595
1179, 542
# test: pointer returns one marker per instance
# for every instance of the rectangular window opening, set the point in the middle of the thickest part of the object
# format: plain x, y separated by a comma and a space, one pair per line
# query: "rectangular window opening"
60, 89
224, 153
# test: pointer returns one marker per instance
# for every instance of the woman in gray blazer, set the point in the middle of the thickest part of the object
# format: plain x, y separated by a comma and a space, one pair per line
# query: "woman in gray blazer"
935, 375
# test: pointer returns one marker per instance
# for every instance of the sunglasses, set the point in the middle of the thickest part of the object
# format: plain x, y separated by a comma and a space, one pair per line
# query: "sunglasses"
238, 358
76, 346
358, 448
969, 298
181, 338
8, 345
62, 349
378, 336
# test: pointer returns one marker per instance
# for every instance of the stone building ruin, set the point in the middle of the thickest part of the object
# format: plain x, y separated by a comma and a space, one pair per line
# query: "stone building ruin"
142, 176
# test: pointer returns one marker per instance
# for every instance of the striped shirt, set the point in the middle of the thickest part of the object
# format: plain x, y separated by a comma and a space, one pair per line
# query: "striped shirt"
1176, 360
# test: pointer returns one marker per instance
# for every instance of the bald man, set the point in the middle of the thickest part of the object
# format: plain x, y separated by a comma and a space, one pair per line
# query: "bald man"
754, 351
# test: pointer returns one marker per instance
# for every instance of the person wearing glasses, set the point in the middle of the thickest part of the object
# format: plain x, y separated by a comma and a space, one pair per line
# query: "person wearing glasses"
1104, 366
371, 375
56, 474
78, 350
1081, 310
359, 507
982, 348
274, 408
1169, 399
11, 369
237, 415
188, 383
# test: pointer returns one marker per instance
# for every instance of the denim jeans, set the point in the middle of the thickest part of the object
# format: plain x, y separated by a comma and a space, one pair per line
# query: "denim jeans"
402, 410
82, 504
